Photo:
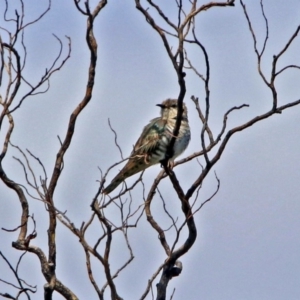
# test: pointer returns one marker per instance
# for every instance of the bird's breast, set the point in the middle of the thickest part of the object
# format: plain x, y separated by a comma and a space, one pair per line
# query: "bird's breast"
183, 139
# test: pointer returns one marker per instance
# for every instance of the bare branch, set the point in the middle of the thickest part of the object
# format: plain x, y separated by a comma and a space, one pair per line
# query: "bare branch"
259, 55
116, 141
267, 28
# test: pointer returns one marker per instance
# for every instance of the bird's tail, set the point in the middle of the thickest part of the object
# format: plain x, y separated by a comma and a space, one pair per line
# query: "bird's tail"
115, 182
131, 168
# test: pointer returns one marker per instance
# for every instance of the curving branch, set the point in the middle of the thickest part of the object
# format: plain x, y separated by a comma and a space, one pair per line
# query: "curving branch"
185, 33
14, 67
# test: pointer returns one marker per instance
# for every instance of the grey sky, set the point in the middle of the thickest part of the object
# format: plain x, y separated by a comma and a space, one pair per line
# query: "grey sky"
248, 236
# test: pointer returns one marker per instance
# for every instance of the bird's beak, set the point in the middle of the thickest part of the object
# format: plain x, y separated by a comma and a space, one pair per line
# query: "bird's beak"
160, 105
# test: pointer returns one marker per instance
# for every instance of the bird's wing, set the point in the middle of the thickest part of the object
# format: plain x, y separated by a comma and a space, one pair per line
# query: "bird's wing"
149, 139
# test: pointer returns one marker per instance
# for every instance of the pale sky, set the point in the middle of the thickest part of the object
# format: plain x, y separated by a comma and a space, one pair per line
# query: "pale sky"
248, 244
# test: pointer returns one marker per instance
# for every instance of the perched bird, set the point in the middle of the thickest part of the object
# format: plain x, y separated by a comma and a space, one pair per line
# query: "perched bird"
151, 147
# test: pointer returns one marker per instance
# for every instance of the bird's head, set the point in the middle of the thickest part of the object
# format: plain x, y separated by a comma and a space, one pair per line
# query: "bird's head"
169, 109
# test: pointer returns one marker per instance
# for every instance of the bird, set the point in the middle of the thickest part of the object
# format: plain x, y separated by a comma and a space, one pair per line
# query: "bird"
151, 147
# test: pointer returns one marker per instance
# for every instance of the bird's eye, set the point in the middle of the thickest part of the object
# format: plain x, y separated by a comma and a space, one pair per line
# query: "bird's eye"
174, 105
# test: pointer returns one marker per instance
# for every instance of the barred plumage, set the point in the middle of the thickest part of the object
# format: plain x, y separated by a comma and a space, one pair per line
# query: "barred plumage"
151, 147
